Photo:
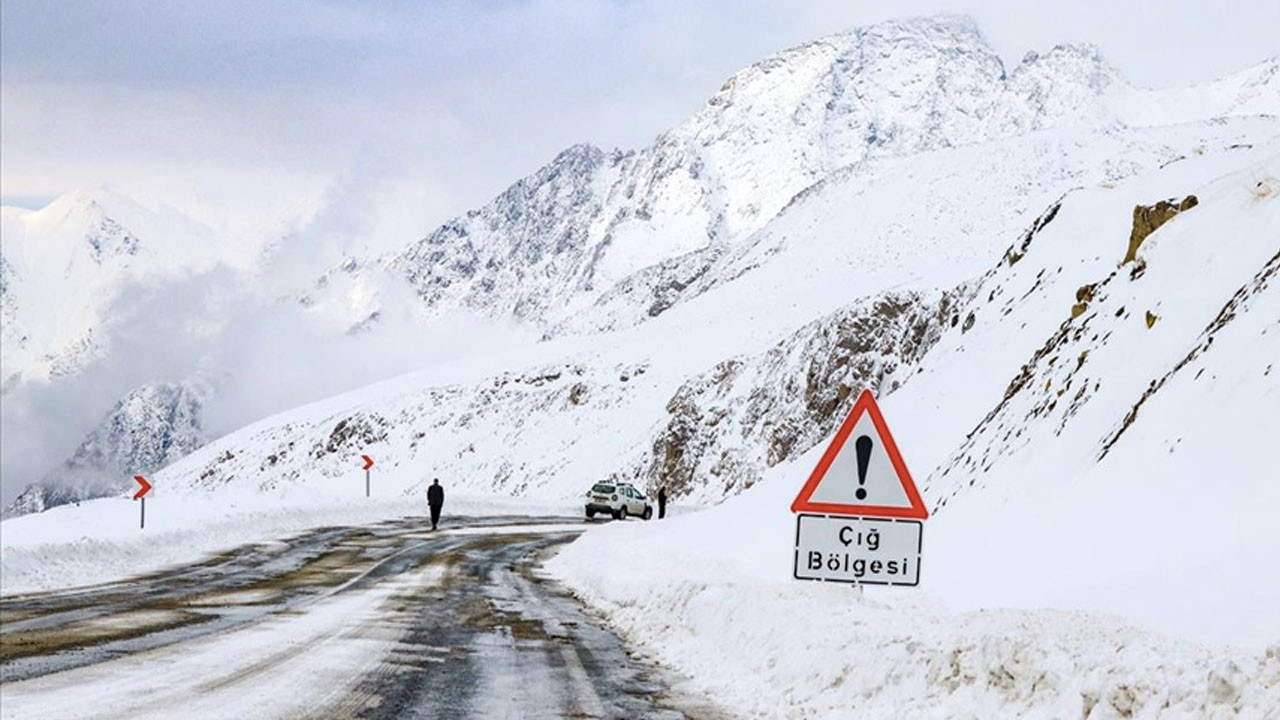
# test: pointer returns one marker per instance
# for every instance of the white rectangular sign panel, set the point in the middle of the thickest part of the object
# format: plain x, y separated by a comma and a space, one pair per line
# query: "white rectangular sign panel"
864, 550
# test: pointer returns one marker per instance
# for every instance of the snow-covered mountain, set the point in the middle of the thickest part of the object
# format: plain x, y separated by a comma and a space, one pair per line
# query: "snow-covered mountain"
751, 373
62, 266
148, 429
81, 281
590, 220
857, 185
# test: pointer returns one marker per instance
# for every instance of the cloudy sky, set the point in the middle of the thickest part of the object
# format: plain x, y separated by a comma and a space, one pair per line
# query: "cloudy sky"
241, 110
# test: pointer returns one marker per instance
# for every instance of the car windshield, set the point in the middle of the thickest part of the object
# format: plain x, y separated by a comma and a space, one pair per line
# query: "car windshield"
602, 488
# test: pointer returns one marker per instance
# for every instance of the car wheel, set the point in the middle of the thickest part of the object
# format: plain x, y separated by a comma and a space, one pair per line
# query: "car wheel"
622, 513
591, 512
648, 512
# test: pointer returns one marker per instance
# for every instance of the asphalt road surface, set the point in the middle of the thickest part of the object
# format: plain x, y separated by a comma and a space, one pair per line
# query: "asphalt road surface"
379, 621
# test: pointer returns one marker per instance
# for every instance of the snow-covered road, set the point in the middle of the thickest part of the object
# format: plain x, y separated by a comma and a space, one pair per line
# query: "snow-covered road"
376, 621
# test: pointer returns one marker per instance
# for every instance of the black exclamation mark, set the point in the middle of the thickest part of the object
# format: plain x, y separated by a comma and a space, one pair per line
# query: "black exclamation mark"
864, 457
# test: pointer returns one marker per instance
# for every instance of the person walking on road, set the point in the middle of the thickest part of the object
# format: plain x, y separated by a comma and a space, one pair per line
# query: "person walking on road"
662, 502
435, 501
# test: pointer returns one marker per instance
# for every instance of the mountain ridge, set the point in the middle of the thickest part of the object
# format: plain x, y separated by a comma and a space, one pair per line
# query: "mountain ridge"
723, 172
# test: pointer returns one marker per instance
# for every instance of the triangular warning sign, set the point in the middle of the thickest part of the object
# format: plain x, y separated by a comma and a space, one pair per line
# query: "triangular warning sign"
862, 472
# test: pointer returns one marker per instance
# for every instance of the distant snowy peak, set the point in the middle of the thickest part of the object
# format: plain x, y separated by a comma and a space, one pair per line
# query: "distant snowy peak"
62, 265
555, 241
1252, 91
896, 87
147, 429
103, 236
783, 123
100, 225
1068, 85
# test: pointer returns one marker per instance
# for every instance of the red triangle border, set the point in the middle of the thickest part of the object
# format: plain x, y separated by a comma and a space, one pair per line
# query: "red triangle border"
866, 404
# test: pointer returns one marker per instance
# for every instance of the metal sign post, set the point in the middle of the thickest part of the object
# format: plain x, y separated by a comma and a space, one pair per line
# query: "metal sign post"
368, 463
144, 487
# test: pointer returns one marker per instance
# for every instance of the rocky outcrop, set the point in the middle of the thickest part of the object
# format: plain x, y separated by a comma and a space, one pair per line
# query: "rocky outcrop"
1148, 218
726, 426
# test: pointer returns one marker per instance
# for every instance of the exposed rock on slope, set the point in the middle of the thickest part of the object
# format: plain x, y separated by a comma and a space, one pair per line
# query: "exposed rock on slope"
526, 432
1148, 218
1241, 301
728, 425
509, 434
544, 222
1087, 379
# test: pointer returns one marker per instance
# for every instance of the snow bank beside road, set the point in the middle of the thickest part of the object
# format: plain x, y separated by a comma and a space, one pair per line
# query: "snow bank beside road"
100, 541
765, 646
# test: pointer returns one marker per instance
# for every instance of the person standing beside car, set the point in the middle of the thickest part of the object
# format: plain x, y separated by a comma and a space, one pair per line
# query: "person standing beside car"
662, 502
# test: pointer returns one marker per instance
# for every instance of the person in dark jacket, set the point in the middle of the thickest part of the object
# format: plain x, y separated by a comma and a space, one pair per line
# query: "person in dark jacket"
662, 502
435, 500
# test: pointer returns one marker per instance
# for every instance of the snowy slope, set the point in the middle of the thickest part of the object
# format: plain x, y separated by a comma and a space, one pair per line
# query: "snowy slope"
1143, 416
1101, 488
934, 218
842, 290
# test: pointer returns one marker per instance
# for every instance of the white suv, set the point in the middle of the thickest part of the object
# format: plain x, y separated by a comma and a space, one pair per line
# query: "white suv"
619, 500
